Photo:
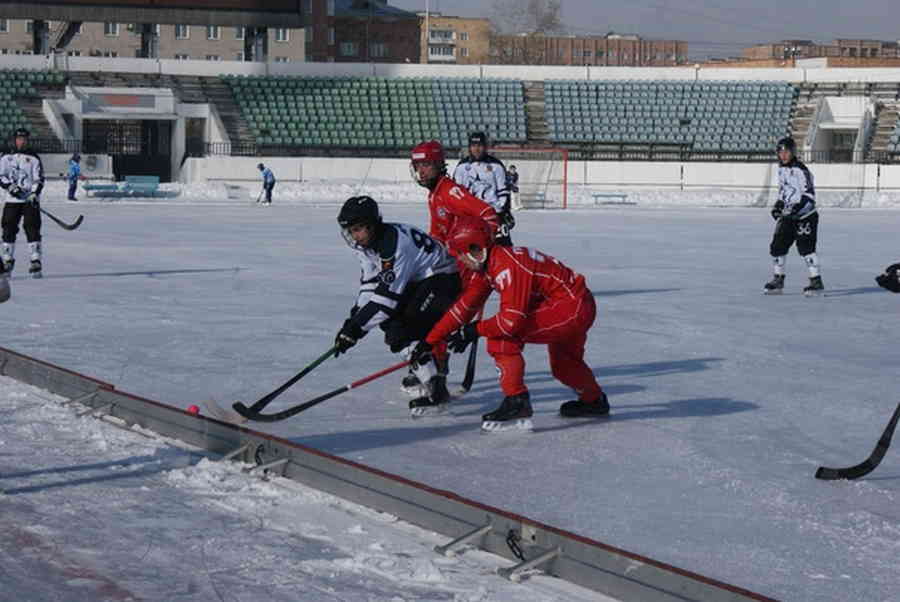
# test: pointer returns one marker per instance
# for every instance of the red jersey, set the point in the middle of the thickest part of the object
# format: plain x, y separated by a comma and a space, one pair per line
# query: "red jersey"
448, 200
524, 278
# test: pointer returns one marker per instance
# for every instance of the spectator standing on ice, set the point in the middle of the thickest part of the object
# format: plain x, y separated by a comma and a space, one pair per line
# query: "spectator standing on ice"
73, 175
796, 220
268, 182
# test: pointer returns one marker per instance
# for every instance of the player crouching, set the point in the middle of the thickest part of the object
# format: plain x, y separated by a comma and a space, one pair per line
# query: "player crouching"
408, 282
541, 301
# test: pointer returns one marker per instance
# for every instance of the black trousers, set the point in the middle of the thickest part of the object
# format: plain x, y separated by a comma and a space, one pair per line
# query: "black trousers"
423, 305
268, 188
804, 232
28, 213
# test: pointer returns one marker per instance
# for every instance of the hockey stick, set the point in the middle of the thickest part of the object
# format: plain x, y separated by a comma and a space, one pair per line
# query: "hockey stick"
61, 223
267, 399
469, 378
259, 196
870, 463
313, 402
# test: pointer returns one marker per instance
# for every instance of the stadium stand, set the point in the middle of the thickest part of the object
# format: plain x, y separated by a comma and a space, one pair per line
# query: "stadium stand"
702, 116
377, 113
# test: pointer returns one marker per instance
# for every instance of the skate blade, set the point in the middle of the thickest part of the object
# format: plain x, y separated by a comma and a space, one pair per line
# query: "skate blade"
414, 392
812, 293
425, 411
507, 426
773, 292
37, 275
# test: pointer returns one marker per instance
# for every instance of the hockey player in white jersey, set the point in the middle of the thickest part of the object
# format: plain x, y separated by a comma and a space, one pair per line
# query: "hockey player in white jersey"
408, 282
797, 220
484, 175
22, 177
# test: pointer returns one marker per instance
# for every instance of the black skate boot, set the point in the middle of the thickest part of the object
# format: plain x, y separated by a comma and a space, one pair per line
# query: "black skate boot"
814, 287
514, 414
775, 286
35, 269
411, 385
578, 408
433, 403
8, 265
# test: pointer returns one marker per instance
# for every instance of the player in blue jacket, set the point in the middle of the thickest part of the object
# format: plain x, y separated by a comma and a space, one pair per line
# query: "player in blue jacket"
73, 175
268, 182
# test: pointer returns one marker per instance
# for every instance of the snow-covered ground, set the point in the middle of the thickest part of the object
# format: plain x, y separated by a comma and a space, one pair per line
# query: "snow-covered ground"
724, 401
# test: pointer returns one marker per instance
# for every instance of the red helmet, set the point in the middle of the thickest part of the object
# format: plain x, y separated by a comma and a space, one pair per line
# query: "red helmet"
428, 151
468, 231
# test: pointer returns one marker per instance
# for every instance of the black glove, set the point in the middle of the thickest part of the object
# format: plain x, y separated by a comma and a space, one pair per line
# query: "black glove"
459, 340
15, 191
508, 220
347, 337
31, 198
421, 353
888, 280
777, 210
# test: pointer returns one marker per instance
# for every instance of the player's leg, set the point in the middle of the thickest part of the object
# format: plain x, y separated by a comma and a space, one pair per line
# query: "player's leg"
782, 239
807, 232
514, 411
12, 213
32, 224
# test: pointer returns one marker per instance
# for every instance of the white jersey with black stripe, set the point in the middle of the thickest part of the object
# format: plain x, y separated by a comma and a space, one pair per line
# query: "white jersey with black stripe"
402, 256
486, 179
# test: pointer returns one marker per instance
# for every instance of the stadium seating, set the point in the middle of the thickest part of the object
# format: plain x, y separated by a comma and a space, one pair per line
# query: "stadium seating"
378, 113
19, 84
723, 116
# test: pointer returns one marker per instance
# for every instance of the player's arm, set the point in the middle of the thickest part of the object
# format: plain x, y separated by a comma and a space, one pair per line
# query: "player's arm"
475, 294
514, 283
462, 202
502, 191
37, 175
384, 286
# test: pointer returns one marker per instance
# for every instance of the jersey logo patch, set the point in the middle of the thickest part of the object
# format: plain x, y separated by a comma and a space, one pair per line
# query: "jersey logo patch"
388, 277
442, 213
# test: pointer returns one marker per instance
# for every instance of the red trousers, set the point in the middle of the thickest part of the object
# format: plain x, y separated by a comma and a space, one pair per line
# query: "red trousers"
562, 326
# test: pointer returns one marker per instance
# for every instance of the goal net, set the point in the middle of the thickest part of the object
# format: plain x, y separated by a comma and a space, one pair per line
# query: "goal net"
543, 174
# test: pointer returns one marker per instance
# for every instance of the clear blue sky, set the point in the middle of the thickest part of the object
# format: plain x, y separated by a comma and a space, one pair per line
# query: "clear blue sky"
712, 27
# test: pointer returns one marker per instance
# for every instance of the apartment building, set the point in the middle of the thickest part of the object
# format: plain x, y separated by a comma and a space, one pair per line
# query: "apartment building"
609, 50
454, 40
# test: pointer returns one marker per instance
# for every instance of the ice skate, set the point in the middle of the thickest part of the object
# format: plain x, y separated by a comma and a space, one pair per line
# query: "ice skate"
8, 264
814, 288
412, 386
775, 286
35, 269
435, 402
514, 414
585, 409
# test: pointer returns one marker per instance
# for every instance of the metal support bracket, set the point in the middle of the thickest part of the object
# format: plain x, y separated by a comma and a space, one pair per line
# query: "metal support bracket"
104, 409
515, 573
236, 452
266, 467
450, 548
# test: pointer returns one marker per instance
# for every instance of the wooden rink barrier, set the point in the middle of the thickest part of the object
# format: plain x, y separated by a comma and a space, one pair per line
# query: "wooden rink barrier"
532, 545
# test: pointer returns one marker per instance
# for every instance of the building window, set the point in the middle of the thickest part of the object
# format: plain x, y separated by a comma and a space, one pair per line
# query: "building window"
212, 32
348, 49
378, 50
282, 34
110, 54
464, 36
4, 51
182, 57
307, 7
442, 35
463, 52
239, 56
239, 32
182, 32
111, 29
331, 36
29, 26
329, 8
308, 34
4, 25
440, 51
213, 57
74, 53
588, 54
281, 59
600, 54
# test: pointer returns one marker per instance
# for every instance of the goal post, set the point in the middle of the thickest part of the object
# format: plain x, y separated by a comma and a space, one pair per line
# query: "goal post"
543, 174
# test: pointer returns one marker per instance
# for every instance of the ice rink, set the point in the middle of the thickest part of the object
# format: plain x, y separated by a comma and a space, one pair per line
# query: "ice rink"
724, 401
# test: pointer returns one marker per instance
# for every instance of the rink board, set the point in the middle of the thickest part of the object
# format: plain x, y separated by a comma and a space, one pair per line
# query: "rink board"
582, 561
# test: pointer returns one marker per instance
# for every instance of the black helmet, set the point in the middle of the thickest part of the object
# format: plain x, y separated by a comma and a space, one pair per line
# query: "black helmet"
478, 138
787, 143
21, 133
359, 210
260, 166
76, 157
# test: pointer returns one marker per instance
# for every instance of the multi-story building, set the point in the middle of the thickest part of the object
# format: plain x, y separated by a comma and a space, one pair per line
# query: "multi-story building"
211, 42
609, 50
454, 40
360, 31
807, 49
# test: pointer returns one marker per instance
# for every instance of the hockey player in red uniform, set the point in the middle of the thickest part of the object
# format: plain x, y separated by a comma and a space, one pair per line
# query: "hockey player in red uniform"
541, 301
447, 200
